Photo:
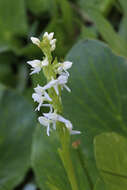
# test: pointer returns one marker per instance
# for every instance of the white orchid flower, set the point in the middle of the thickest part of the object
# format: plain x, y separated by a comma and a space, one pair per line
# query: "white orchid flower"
39, 89
54, 117
64, 67
55, 83
40, 96
37, 65
62, 80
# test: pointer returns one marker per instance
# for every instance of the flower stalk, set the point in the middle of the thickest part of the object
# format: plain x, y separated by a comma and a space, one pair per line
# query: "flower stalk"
49, 95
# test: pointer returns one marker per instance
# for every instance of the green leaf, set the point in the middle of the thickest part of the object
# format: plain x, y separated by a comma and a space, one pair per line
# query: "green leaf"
99, 185
98, 101
6, 71
14, 13
22, 78
116, 42
16, 128
123, 4
123, 28
123, 23
57, 26
40, 6
88, 33
48, 168
103, 6
67, 16
111, 158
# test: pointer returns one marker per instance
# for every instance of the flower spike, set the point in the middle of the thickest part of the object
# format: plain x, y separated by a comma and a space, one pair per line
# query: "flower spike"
57, 76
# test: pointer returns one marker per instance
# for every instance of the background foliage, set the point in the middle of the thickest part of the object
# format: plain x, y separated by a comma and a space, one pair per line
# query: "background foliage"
92, 34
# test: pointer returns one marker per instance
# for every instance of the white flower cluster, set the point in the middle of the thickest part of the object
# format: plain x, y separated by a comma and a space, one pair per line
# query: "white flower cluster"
41, 95
49, 37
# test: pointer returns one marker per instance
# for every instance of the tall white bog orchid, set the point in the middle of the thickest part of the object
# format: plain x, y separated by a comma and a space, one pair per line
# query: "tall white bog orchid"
57, 75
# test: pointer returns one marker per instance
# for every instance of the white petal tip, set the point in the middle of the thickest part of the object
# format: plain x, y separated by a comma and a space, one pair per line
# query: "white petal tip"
35, 41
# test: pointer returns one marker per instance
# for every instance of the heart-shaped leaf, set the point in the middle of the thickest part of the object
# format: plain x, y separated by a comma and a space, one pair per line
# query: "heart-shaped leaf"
98, 101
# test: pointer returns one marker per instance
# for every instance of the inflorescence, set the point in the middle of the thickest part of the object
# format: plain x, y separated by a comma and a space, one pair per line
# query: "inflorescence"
57, 76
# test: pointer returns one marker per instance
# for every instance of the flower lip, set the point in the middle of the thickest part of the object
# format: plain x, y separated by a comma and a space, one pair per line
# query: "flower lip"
45, 122
40, 96
39, 89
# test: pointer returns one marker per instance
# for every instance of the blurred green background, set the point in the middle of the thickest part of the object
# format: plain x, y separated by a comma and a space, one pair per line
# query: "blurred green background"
71, 21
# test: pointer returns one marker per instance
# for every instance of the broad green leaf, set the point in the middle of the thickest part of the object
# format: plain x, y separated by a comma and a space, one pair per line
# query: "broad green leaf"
116, 42
98, 101
16, 128
46, 163
99, 185
111, 158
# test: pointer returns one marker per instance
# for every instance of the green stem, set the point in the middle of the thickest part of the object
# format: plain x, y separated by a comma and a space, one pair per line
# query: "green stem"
80, 154
65, 155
